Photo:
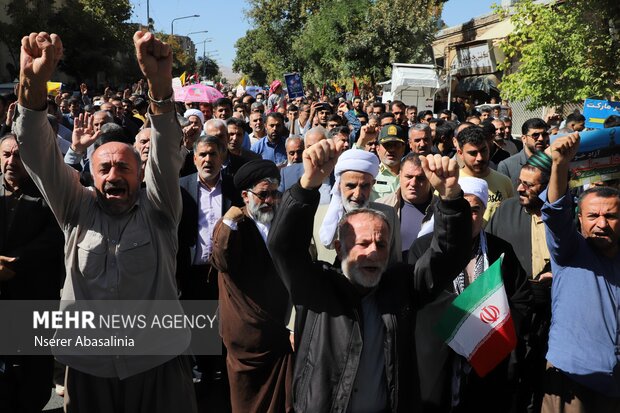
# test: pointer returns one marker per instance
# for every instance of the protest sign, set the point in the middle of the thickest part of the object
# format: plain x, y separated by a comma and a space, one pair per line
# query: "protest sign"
253, 90
596, 111
177, 87
53, 88
598, 158
294, 85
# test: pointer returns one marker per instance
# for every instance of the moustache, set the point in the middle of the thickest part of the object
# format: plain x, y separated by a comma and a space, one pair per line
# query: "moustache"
113, 185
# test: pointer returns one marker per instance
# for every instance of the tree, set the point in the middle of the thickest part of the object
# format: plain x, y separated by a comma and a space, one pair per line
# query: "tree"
278, 24
209, 68
335, 39
28, 17
182, 59
94, 35
247, 58
101, 35
322, 44
403, 31
561, 53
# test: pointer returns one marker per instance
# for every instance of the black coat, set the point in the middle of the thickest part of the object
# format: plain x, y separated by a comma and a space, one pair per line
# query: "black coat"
495, 392
35, 238
328, 330
512, 223
188, 226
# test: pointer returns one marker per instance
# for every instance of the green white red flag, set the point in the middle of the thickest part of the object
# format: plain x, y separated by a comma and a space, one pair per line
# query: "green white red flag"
478, 325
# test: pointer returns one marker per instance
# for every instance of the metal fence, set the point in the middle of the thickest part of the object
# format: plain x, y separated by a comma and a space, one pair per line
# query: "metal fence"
520, 113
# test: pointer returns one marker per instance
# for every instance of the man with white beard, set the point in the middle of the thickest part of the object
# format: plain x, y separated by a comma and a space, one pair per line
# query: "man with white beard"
353, 329
253, 302
355, 176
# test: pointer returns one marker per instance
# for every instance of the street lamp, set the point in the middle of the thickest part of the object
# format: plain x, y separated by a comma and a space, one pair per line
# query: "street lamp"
203, 31
204, 46
180, 18
204, 57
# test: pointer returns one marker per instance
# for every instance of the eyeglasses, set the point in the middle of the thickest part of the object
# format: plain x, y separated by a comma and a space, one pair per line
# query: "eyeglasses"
530, 185
537, 135
263, 195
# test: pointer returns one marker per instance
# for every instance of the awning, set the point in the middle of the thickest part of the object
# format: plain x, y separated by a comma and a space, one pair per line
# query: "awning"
482, 83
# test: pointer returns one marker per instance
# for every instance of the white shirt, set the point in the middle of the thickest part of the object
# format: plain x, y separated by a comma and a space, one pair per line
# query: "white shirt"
209, 212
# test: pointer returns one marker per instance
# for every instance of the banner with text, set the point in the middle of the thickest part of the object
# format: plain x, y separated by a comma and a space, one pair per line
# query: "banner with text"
596, 111
598, 158
109, 327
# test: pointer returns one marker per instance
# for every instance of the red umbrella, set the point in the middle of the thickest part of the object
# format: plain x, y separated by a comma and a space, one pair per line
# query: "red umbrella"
200, 93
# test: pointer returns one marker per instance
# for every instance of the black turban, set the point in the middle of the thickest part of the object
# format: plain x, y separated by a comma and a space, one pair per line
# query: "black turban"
255, 171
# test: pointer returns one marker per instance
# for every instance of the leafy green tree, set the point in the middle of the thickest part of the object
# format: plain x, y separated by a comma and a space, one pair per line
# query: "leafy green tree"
335, 39
27, 17
278, 24
398, 31
322, 44
564, 52
94, 34
209, 68
248, 57
182, 59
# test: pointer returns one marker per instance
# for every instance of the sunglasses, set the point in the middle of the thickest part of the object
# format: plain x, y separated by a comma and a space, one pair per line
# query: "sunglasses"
537, 135
263, 195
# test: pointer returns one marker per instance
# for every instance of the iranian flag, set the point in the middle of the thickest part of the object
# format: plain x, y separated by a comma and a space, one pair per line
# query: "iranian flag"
478, 325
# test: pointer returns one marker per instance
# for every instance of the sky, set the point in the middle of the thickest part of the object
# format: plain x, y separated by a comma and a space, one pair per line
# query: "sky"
226, 21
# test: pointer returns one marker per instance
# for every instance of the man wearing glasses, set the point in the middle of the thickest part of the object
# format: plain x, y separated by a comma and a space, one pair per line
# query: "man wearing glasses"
535, 137
254, 304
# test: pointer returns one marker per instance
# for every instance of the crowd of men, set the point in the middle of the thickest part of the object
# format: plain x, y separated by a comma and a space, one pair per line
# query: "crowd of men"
333, 233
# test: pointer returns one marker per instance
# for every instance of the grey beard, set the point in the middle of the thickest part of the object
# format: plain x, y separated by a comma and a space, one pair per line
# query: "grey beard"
350, 206
261, 216
355, 276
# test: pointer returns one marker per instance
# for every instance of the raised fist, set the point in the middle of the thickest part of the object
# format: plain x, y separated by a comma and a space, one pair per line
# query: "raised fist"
40, 54
319, 161
564, 148
155, 60
443, 174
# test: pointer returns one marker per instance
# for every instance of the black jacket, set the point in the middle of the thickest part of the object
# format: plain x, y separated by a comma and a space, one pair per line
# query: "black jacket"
188, 226
35, 238
496, 392
328, 331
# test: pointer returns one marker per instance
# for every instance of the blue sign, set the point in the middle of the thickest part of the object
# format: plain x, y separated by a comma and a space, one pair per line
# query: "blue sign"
294, 85
598, 157
253, 90
596, 111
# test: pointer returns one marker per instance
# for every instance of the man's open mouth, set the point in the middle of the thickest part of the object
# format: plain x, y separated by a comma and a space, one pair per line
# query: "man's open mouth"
115, 192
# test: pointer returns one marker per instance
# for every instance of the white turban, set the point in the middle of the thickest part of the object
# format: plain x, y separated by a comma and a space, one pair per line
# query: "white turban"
475, 186
351, 160
194, 112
